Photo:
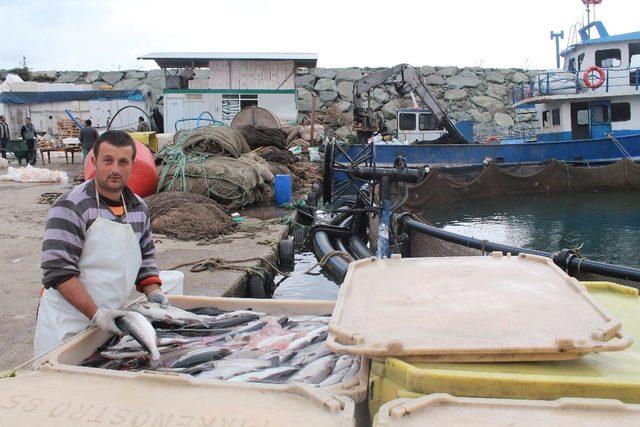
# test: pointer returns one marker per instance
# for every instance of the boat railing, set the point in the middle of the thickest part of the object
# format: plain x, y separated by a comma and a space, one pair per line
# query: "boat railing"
559, 82
525, 132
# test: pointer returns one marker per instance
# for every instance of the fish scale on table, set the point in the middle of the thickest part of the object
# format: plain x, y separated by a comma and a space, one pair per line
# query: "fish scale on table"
235, 346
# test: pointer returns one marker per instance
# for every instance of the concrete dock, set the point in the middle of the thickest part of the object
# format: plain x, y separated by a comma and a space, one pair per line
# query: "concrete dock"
22, 221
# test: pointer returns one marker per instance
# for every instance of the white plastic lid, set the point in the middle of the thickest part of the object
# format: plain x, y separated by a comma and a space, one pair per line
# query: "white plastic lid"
468, 309
446, 410
51, 398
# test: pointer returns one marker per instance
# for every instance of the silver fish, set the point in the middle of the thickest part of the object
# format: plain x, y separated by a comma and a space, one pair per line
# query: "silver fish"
238, 313
309, 318
314, 335
249, 364
139, 328
334, 378
169, 314
271, 374
201, 355
353, 369
122, 354
316, 371
344, 361
343, 365
309, 354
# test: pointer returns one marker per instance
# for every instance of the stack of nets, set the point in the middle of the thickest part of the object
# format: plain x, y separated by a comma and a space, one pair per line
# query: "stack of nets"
187, 216
215, 162
221, 141
261, 136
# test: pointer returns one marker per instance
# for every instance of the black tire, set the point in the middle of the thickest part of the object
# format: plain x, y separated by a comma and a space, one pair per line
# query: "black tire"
286, 252
256, 287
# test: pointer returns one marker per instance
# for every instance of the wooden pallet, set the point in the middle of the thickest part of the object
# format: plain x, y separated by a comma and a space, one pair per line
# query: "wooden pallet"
67, 129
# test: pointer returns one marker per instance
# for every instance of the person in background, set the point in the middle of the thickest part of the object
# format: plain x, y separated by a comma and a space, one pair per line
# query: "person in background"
88, 137
142, 125
5, 135
28, 133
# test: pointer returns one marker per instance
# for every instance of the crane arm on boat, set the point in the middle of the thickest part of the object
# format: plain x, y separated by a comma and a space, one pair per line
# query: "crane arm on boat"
366, 121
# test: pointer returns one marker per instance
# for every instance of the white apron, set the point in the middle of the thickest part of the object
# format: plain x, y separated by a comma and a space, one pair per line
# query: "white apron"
109, 264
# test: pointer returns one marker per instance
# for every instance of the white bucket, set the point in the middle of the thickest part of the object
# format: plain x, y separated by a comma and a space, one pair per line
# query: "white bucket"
164, 139
172, 282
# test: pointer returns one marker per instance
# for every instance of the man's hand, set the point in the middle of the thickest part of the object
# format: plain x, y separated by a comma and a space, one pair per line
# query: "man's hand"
105, 319
158, 296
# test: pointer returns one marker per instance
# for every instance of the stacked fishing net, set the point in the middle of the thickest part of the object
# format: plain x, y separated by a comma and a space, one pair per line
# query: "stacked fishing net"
187, 216
215, 162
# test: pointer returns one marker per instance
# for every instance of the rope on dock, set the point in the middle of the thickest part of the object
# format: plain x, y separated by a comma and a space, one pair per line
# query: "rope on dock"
325, 259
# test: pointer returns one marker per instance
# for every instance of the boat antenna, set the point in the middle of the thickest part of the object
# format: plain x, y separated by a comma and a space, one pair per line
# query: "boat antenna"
557, 36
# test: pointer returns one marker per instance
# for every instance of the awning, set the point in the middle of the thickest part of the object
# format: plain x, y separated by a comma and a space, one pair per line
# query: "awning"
22, 98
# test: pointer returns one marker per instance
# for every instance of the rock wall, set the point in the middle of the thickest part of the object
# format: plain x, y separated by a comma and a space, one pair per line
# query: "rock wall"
470, 93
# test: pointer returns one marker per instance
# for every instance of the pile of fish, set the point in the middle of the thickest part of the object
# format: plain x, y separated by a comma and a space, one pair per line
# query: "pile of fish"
237, 346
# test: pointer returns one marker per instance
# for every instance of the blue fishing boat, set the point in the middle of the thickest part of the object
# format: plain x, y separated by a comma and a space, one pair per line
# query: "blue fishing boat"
588, 112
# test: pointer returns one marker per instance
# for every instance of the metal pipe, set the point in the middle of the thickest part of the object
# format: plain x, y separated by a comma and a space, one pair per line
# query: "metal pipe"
565, 259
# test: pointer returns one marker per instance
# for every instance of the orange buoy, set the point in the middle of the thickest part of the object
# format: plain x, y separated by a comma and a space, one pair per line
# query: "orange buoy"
144, 178
586, 77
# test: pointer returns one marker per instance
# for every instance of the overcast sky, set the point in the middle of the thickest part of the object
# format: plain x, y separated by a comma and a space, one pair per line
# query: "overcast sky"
110, 34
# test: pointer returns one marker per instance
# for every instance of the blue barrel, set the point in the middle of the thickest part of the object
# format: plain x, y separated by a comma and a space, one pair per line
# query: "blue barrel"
283, 189
466, 129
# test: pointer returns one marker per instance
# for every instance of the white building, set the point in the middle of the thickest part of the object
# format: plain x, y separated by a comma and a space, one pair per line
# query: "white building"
46, 103
233, 81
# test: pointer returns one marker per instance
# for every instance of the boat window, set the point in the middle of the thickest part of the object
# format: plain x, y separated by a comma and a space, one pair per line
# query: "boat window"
608, 58
407, 121
583, 117
600, 114
634, 63
545, 119
620, 112
580, 61
555, 116
426, 121
572, 64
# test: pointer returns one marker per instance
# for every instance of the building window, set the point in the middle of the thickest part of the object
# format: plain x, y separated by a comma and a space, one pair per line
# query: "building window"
555, 116
608, 58
600, 114
232, 104
407, 121
620, 112
426, 121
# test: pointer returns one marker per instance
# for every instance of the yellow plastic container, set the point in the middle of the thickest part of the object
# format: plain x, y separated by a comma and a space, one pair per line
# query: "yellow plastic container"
610, 375
147, 138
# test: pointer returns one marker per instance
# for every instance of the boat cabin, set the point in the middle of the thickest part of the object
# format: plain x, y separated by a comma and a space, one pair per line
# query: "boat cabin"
417, 124
596, 94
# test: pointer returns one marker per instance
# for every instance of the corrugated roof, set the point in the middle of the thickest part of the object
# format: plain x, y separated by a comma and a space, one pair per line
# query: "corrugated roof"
201, 59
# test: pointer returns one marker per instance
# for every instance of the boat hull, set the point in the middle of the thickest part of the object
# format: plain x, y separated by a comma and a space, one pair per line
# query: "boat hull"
589, 151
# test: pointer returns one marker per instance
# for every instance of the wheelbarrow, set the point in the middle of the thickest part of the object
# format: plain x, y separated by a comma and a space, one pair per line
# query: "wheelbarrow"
19, 149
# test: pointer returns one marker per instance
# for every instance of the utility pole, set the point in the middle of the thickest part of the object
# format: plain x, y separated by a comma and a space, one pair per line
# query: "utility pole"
557, 36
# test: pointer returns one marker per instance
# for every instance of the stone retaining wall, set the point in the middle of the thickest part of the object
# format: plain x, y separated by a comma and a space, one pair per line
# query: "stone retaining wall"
470, 93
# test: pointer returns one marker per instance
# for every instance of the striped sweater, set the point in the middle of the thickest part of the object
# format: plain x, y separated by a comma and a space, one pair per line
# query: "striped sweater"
68, 219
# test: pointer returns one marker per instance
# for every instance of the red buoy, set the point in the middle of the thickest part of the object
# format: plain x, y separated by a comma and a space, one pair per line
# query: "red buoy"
144, 178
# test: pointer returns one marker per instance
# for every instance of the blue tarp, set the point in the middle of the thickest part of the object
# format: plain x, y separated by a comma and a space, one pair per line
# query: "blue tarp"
21, 98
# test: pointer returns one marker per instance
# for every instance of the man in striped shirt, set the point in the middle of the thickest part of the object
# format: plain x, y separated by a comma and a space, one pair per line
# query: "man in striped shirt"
97, 246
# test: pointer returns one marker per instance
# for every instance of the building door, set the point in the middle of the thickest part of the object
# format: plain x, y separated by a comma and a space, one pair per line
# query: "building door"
580, 120
174, 110
600, 118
